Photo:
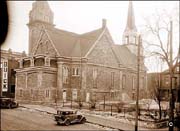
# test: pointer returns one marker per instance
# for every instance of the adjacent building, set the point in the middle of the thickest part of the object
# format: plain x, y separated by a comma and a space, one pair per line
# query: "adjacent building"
161, 81
9, 61
64, 66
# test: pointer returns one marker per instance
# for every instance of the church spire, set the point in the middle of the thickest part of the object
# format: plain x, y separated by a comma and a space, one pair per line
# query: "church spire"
130, 18
130, 33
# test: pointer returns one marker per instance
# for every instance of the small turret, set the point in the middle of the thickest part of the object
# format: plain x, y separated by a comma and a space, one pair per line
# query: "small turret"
41, 12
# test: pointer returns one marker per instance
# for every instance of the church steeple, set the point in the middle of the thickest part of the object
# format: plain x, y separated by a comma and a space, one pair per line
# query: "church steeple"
41, 12
40, 16
130, 33
130, 18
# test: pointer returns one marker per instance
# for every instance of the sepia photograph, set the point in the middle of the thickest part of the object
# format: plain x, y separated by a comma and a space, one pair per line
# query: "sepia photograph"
89, 65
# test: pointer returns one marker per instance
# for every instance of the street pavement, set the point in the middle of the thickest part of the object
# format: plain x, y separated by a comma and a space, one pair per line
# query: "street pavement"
25, 119
94, 119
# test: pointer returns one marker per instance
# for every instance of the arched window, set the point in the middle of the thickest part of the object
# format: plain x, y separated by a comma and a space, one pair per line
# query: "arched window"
133, 83
123, 81
95, 72
112, 79
65, 74
75, 71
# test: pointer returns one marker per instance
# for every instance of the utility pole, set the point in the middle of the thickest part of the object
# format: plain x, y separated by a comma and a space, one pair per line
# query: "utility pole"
137, 91
171, 101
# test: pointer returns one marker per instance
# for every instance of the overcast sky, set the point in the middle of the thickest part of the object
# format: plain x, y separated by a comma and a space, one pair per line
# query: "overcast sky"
80, 17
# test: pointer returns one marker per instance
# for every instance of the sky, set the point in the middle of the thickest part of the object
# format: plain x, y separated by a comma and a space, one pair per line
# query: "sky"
81, 17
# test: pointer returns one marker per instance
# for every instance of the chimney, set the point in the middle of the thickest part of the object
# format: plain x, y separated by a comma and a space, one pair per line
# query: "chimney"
103, 23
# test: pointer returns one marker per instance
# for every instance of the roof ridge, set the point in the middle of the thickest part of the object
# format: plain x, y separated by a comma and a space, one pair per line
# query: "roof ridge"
90, 32
64, 31
93, 45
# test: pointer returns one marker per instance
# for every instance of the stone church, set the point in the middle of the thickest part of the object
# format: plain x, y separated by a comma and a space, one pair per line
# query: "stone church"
64, 66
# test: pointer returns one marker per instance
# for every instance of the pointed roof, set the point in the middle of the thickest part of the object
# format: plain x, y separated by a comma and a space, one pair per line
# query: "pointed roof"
71, 44
130, 18
122, 53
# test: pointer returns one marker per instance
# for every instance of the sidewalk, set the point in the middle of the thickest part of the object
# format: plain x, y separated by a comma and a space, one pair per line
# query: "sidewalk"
91, 118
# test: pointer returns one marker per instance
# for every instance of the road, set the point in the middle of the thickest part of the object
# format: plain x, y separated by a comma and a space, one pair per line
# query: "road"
21, 119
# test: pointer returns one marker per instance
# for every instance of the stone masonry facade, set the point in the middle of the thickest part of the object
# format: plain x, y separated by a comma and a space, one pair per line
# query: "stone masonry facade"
65, 66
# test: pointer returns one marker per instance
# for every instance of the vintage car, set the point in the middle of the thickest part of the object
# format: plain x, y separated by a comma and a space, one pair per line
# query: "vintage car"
8, 103
68, 116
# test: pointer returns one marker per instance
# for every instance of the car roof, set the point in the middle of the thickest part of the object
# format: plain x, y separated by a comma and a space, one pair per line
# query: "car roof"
4, 98
66, 110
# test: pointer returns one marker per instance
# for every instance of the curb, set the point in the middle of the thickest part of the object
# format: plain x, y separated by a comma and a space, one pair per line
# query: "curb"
86, 121
37, 110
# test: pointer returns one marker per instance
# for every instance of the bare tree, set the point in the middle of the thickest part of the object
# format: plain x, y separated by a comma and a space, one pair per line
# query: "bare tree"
160, 40
158, 31
155, 91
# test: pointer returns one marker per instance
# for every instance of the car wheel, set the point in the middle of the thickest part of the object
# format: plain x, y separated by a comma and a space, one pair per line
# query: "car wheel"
9, 106
67, 122
58, 123
83, 120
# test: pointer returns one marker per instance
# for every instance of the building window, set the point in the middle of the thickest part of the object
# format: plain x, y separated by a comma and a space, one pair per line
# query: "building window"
123, 81
65, 74
112, 79
95, 72
141, 82
127, 39
21, 92
47, 93
12, 88
133, 82
31, 92
167, 79
75, 71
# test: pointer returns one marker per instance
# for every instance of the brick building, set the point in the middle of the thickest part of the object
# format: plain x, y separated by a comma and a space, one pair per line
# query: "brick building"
163, 79
67, 66
9, 61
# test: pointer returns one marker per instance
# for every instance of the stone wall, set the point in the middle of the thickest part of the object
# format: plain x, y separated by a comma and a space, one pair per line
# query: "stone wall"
32, 80
36, 86
103, 54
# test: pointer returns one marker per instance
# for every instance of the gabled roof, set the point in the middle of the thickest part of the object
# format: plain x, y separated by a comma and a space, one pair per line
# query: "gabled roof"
124, 56
71, 44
